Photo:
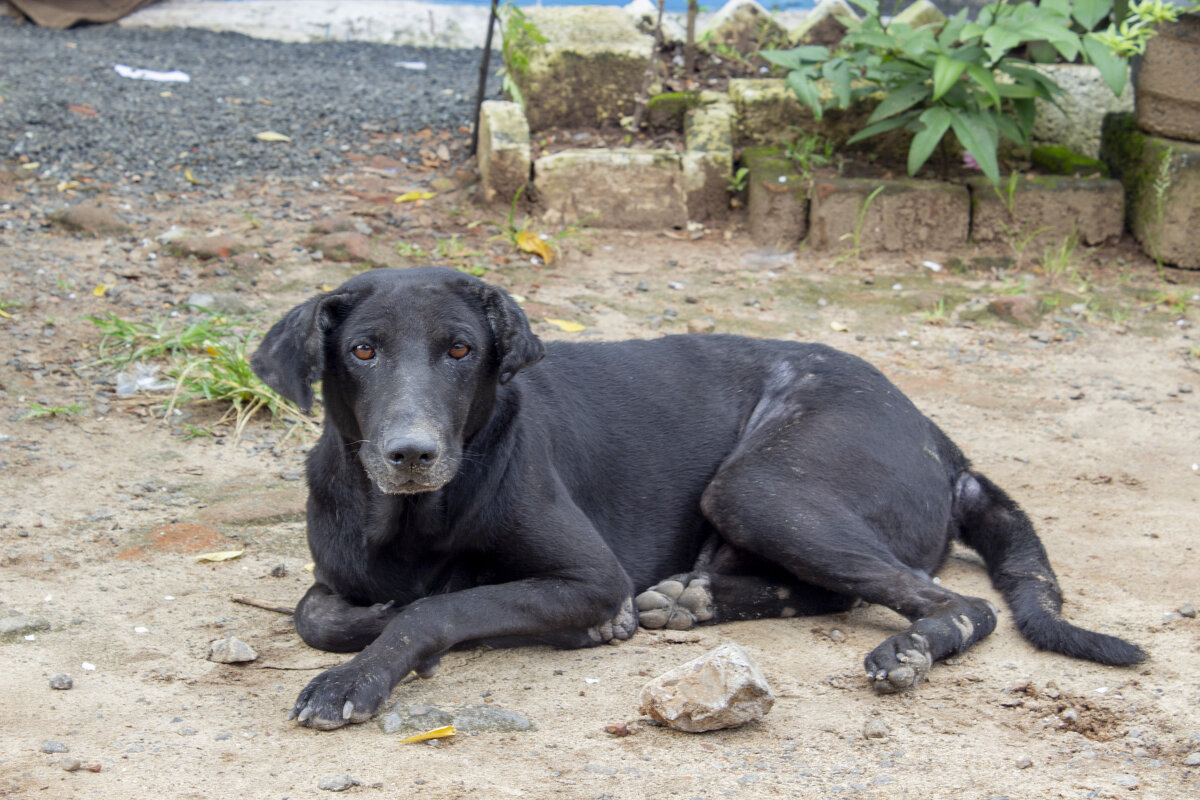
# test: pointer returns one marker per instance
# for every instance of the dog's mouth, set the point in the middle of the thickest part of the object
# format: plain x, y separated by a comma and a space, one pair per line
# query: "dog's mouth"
407, 485
408, 480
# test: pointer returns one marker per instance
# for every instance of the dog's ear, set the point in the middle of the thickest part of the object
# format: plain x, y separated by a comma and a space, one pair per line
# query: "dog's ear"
518, 345
292, 354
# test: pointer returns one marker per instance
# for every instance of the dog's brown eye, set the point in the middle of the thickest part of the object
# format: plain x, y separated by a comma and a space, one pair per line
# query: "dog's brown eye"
364, 352
459, 350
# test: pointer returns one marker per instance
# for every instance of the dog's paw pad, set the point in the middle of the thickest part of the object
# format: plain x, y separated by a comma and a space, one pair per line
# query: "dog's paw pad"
900, 663
619, 628
674, 605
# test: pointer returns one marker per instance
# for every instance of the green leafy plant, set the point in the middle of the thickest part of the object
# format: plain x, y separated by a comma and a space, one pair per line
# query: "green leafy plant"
1060, 259
39, 411
1129, 34
936, 315
222, 374
740, 180
860, 218
125, 341
808, 151
519, 33
963, 77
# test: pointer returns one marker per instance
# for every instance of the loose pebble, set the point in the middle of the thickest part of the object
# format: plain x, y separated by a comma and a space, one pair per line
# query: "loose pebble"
1192, 759
1126, 781
231, 651
62, 681
70, 764
1187, 610
876, 729
55, 747
338, 783
1024, 762
723, 688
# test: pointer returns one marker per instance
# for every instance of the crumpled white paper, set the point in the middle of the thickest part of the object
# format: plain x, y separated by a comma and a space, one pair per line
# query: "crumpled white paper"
136, 73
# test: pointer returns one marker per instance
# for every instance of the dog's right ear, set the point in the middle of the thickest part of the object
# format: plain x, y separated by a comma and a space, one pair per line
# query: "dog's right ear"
292, 354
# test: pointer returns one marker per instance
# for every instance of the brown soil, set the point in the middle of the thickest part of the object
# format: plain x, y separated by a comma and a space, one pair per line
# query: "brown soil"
1088, 418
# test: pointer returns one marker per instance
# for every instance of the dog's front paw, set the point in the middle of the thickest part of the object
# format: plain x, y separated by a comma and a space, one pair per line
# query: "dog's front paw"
900, 663
672, 604
344, 694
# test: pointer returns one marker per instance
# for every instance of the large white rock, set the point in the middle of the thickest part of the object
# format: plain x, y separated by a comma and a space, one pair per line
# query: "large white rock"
721, 689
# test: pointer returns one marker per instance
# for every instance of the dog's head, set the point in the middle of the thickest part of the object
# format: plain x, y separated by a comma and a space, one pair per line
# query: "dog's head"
409, 362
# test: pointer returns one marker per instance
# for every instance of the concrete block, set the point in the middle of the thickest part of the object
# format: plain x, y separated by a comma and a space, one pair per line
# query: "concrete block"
708, 160
1076, 120
1162, 190
825, 24
504, 157
743, 25
776, 199
909, 216
1047, 210
575, 66
1168, 81
920, 14
618, 188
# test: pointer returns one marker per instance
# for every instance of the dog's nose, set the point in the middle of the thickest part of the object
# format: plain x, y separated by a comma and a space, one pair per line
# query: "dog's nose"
401, 451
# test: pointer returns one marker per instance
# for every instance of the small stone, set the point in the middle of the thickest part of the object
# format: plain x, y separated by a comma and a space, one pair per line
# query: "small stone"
70, 764
61, 681
876, 729
1192, 759
55, 747
837, 635
1024, 762
707, 325
22, 625
721, 689
231, 651
1126, 781
1187, 610
279, 571
338, 783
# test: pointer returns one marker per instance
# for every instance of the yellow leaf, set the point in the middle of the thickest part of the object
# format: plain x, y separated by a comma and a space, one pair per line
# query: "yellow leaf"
31, 165
100, 290
567, 325
532, 243
225, 555
187, 173
5, 314
409, 197
272, 136
64, 185
325, 287
840, 327
436, 733
310, 566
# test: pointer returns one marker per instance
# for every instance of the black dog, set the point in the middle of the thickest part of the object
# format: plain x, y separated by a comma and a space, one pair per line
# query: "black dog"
466, 491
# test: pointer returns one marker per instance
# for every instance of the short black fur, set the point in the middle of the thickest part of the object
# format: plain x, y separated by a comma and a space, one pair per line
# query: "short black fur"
466, 491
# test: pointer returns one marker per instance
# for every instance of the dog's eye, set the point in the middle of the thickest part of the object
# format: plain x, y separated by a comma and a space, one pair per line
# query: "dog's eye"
363, 352
459, 350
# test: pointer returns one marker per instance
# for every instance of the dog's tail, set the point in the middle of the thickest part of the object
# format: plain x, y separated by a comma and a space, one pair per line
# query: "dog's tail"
996, 527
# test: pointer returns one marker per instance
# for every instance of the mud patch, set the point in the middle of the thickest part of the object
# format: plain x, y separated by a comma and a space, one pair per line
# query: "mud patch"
179, 537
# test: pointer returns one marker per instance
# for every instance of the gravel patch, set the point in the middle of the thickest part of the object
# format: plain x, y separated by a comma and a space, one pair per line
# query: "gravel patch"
66, 107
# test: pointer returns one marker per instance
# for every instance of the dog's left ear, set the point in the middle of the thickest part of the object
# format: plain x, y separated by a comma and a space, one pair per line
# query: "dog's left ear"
292, 354
519, 346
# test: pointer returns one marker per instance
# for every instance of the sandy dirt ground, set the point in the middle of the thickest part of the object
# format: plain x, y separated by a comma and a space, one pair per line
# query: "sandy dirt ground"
1089, 417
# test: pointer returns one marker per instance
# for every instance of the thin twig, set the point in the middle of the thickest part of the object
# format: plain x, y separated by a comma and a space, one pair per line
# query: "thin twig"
246, 601
297, 669
642, 102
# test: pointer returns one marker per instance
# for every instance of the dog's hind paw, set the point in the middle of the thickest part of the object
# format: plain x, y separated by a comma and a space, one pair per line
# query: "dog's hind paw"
619, 628
675, 605
900, 663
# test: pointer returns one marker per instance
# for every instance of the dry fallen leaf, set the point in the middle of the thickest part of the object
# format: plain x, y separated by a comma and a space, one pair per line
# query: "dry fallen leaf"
436, 733
100, 290
840, 327
272, 136
409, 197
532, 243
187, 173
310, 566
225, 555
566, 325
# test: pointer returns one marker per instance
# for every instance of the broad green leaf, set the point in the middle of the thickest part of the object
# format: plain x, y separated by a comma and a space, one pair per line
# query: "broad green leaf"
806, 90
871, 7
901, 99
936, 121
1025, 109
945, 72
837, 74
883, 126
976, 141
1113, 68
1011, 130
1060, 7
953, 27
1088, 13
984, 78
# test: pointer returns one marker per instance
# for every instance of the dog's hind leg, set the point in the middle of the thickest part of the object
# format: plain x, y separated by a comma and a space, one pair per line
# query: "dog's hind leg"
874, 538
728, 584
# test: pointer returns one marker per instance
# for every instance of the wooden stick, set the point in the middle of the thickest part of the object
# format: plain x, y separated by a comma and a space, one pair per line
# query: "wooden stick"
246, 601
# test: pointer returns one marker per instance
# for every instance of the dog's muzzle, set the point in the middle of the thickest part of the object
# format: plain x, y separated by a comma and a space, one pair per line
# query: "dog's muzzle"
408, 465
